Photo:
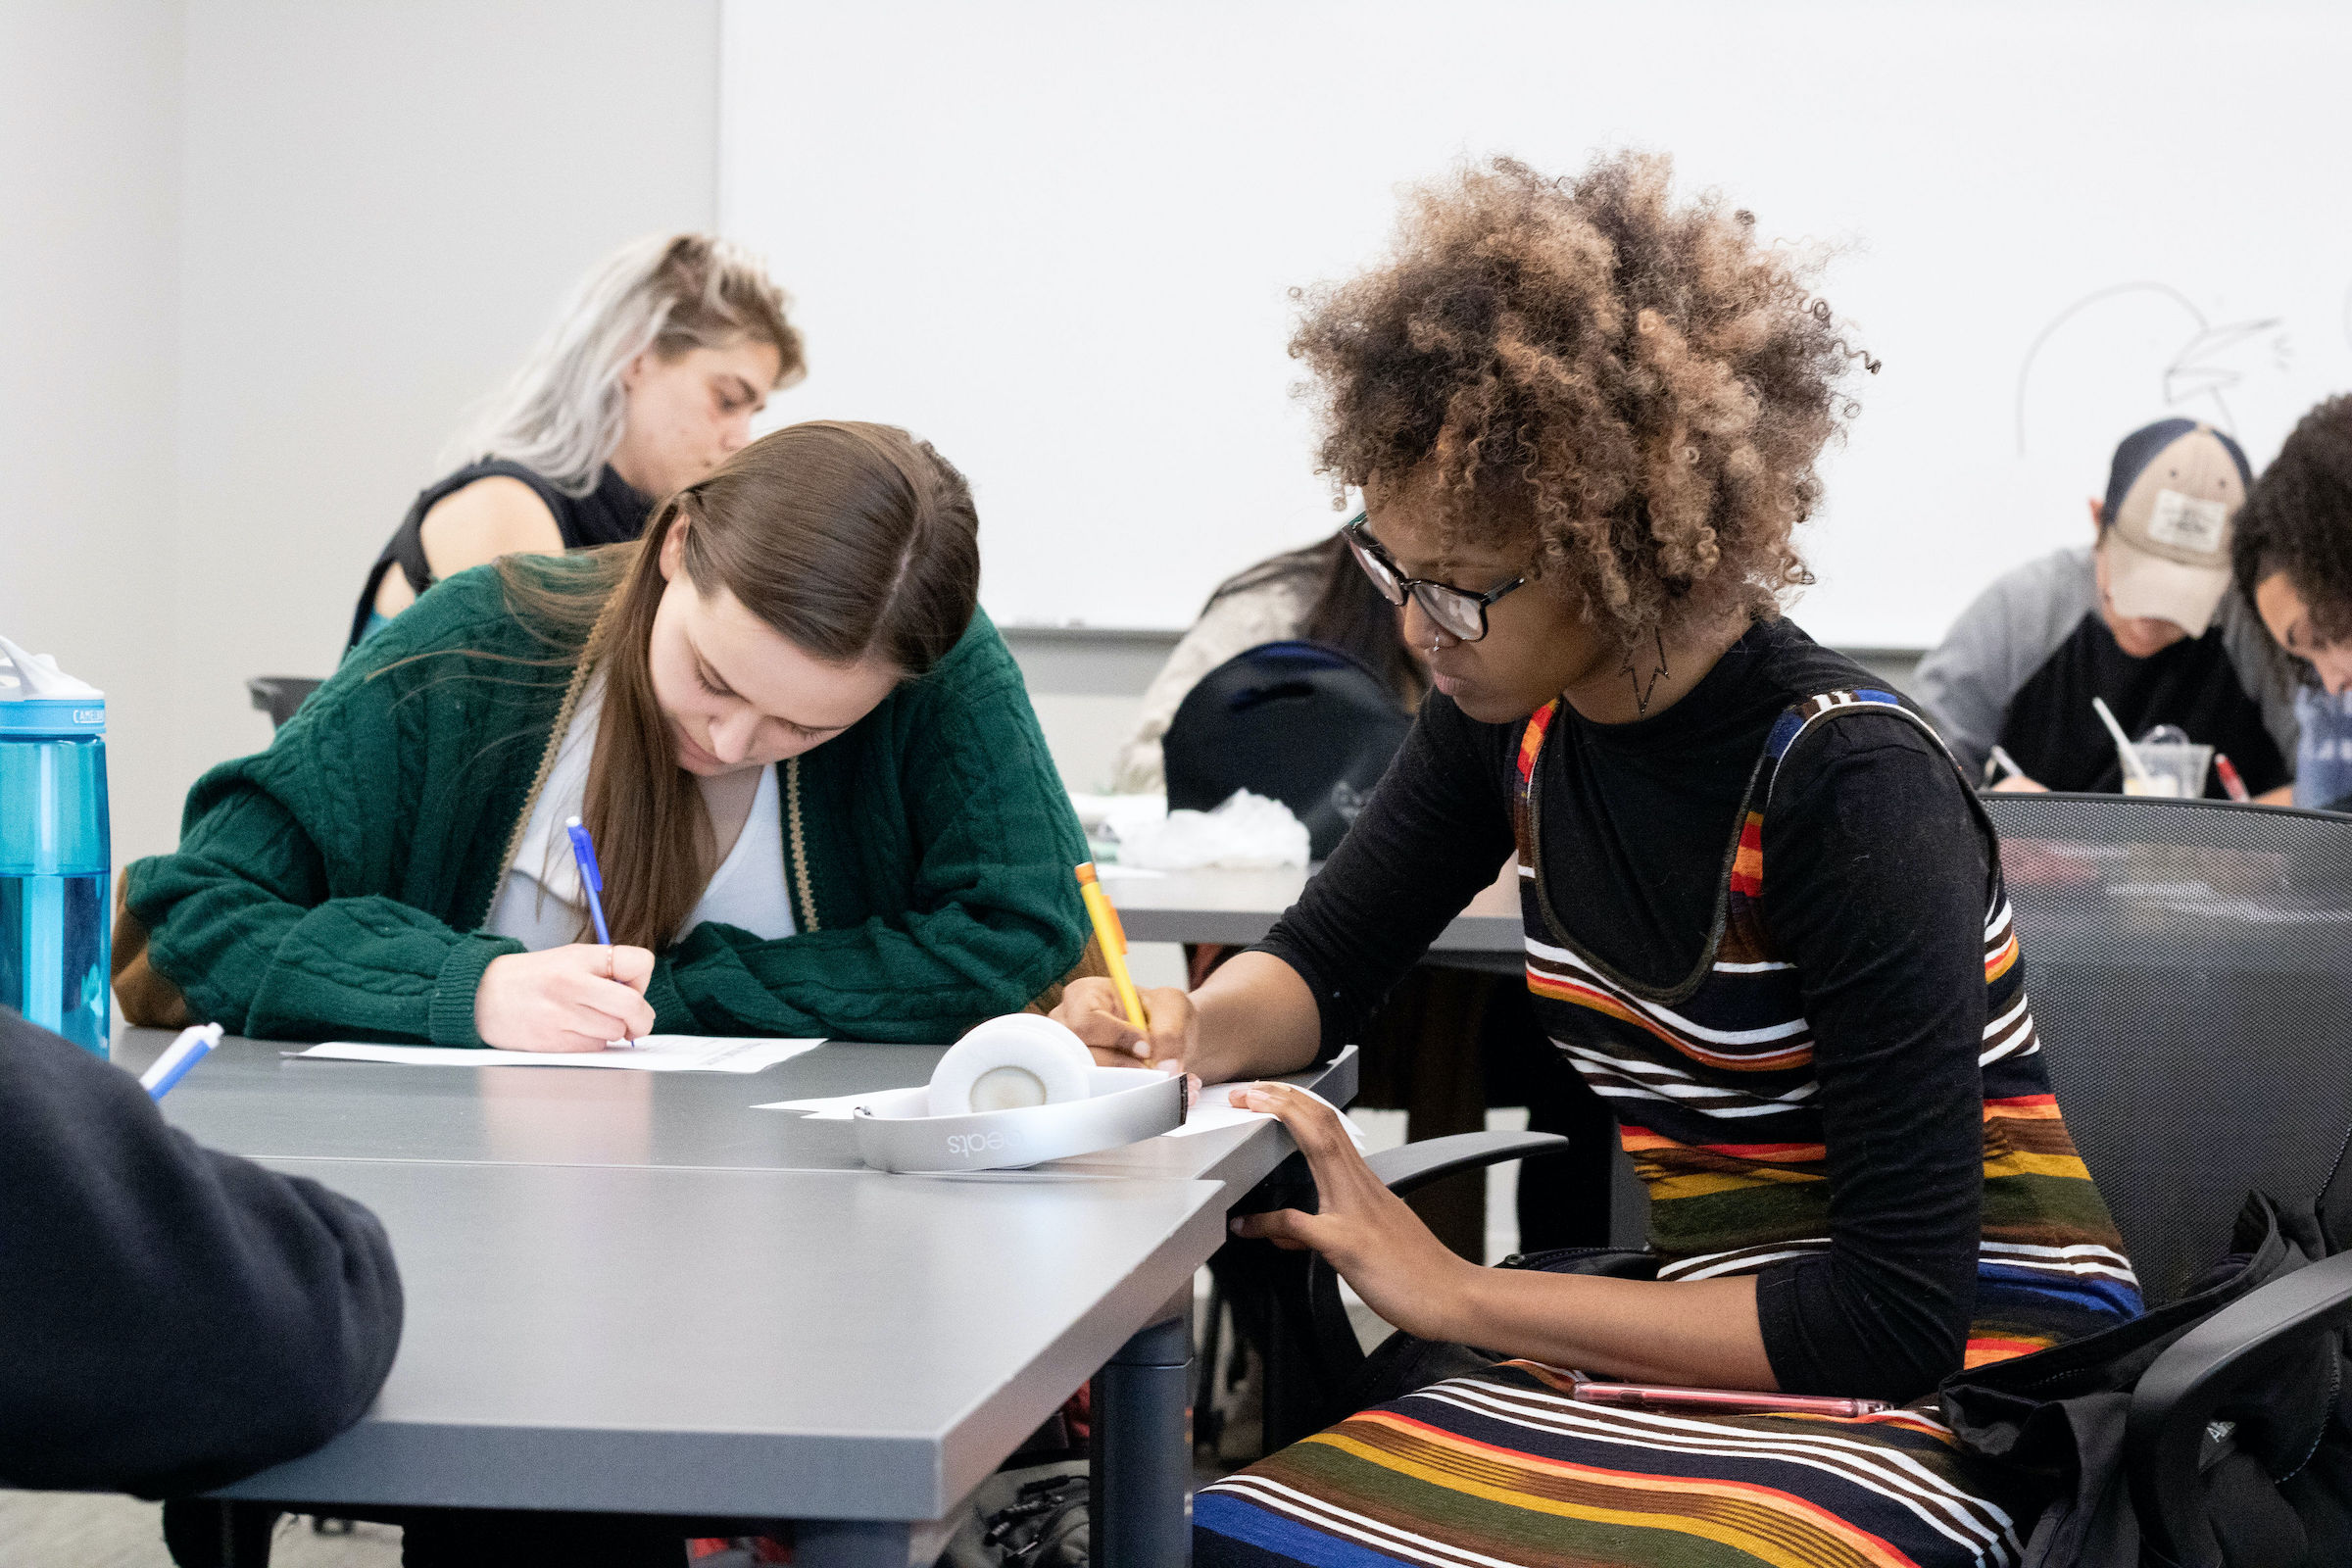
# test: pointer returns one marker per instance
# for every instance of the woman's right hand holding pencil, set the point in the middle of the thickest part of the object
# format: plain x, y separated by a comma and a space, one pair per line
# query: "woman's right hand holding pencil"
582, 996
1253, 1019
1092, 1009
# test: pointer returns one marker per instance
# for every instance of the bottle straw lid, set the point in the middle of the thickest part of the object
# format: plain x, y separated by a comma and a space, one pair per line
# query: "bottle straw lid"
37, 698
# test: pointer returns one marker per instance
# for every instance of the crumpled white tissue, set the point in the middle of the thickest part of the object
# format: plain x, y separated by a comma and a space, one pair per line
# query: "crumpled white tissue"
1247, 833
1121, 817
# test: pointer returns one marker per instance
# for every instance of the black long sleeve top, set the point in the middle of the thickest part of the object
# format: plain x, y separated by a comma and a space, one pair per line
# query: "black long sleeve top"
173, 1318
1876, 887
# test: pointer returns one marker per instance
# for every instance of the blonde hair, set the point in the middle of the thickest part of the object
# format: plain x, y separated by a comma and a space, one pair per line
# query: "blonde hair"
561, 414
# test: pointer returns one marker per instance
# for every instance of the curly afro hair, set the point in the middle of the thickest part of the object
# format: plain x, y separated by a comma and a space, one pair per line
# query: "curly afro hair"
1638, 389
2298, 520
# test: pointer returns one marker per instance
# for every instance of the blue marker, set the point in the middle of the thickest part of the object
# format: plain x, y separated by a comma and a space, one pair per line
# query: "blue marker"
592, 880
183, 1053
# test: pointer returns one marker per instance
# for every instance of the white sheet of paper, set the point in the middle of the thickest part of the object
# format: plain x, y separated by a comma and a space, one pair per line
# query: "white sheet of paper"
836, 1108
1214, 1111
652, 1054
1211, 1112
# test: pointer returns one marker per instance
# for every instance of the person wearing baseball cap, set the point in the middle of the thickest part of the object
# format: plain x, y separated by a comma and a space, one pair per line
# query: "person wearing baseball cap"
2144, 617
2292, 553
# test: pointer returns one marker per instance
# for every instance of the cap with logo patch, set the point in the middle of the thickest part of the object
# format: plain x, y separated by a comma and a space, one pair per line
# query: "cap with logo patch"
2170, 495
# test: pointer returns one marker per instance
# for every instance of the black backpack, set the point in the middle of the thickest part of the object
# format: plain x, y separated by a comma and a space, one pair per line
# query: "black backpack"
1304, 723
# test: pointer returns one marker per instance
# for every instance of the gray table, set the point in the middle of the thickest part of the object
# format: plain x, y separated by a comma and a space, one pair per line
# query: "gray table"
255, 1097
1239, 907
631, 1291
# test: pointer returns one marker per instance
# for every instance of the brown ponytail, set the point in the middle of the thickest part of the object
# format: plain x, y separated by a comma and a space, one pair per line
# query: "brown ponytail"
851, 540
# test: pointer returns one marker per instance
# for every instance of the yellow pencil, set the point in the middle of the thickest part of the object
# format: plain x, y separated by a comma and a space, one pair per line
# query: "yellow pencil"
1113, 942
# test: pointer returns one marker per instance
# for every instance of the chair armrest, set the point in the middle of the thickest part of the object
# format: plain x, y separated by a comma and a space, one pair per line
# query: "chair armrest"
1401, 1170
1413, 1165
279, 696
2206, 1369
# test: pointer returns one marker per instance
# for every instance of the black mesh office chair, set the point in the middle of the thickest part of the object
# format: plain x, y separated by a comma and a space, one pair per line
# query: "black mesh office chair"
2190, 969
280, 695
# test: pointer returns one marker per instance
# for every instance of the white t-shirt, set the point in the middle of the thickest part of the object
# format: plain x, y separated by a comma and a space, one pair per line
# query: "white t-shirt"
540, 905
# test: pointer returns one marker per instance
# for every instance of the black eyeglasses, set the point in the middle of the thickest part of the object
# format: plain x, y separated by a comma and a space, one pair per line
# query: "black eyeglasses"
1456, 612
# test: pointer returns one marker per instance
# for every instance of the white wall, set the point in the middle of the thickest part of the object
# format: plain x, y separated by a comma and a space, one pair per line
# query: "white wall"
384, 201
1076, 283
89, 192
255, 258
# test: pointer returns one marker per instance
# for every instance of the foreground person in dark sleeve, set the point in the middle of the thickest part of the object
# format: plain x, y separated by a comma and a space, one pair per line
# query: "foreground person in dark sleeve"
174, 1318
1764, 923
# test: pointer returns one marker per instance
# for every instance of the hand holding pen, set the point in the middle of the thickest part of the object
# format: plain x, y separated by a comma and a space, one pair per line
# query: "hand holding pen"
592, 884
2014, 779
581, 996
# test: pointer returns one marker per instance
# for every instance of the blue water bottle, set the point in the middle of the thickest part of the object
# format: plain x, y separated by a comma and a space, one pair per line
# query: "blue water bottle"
55, 858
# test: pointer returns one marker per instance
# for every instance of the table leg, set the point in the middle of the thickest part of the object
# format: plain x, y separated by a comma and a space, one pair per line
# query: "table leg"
852, 1543
1141, 1508
209, 1532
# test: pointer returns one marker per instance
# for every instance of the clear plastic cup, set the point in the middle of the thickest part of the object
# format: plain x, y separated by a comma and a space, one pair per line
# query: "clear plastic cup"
2172, 769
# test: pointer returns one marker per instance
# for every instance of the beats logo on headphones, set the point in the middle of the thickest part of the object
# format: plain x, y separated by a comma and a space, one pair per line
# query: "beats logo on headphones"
974, 1142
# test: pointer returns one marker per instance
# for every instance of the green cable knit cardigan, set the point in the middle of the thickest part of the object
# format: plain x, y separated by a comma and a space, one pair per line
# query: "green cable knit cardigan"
336, 885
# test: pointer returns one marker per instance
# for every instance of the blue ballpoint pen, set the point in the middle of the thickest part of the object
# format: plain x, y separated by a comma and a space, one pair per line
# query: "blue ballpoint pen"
592, 883
592, 880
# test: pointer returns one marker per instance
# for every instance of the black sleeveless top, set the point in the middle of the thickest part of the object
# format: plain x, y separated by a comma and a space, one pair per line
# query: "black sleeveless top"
614, 513
1881, 876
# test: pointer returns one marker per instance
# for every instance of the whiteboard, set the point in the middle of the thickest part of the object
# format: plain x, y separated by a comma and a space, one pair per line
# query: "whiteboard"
1058, 241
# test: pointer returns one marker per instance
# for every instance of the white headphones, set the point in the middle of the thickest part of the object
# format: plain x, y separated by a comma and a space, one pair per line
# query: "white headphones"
1016, 1091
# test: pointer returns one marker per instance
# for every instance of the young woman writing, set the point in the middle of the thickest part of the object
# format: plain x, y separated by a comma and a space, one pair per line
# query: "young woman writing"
820, 800
648, 380
1764, 916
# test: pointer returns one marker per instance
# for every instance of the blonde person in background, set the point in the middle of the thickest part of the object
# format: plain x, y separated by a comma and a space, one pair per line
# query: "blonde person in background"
647, 383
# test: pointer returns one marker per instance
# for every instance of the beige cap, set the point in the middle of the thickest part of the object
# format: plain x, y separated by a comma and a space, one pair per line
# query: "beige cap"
2168, 536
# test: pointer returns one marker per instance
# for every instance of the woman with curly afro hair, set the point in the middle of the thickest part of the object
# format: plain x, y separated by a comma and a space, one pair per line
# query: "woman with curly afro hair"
1764, 919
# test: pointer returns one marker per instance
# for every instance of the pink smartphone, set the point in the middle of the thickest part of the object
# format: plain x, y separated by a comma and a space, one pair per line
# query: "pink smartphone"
1721, 1402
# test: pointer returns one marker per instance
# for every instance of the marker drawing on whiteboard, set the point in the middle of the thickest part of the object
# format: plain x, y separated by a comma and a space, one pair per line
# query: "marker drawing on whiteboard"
2208, 361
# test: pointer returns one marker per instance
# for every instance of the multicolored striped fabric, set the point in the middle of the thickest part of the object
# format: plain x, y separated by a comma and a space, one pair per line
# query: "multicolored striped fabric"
1713, 1085
1504, 1468
1712, 1082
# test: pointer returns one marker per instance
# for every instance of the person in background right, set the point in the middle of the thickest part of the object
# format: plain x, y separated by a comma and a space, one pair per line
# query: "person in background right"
2293, 556
2142, 618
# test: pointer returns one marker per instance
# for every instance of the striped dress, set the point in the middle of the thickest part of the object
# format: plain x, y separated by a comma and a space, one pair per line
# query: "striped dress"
1714, 1095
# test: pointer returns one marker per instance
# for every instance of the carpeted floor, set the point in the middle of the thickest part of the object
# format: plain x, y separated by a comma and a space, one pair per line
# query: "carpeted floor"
86, 1530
